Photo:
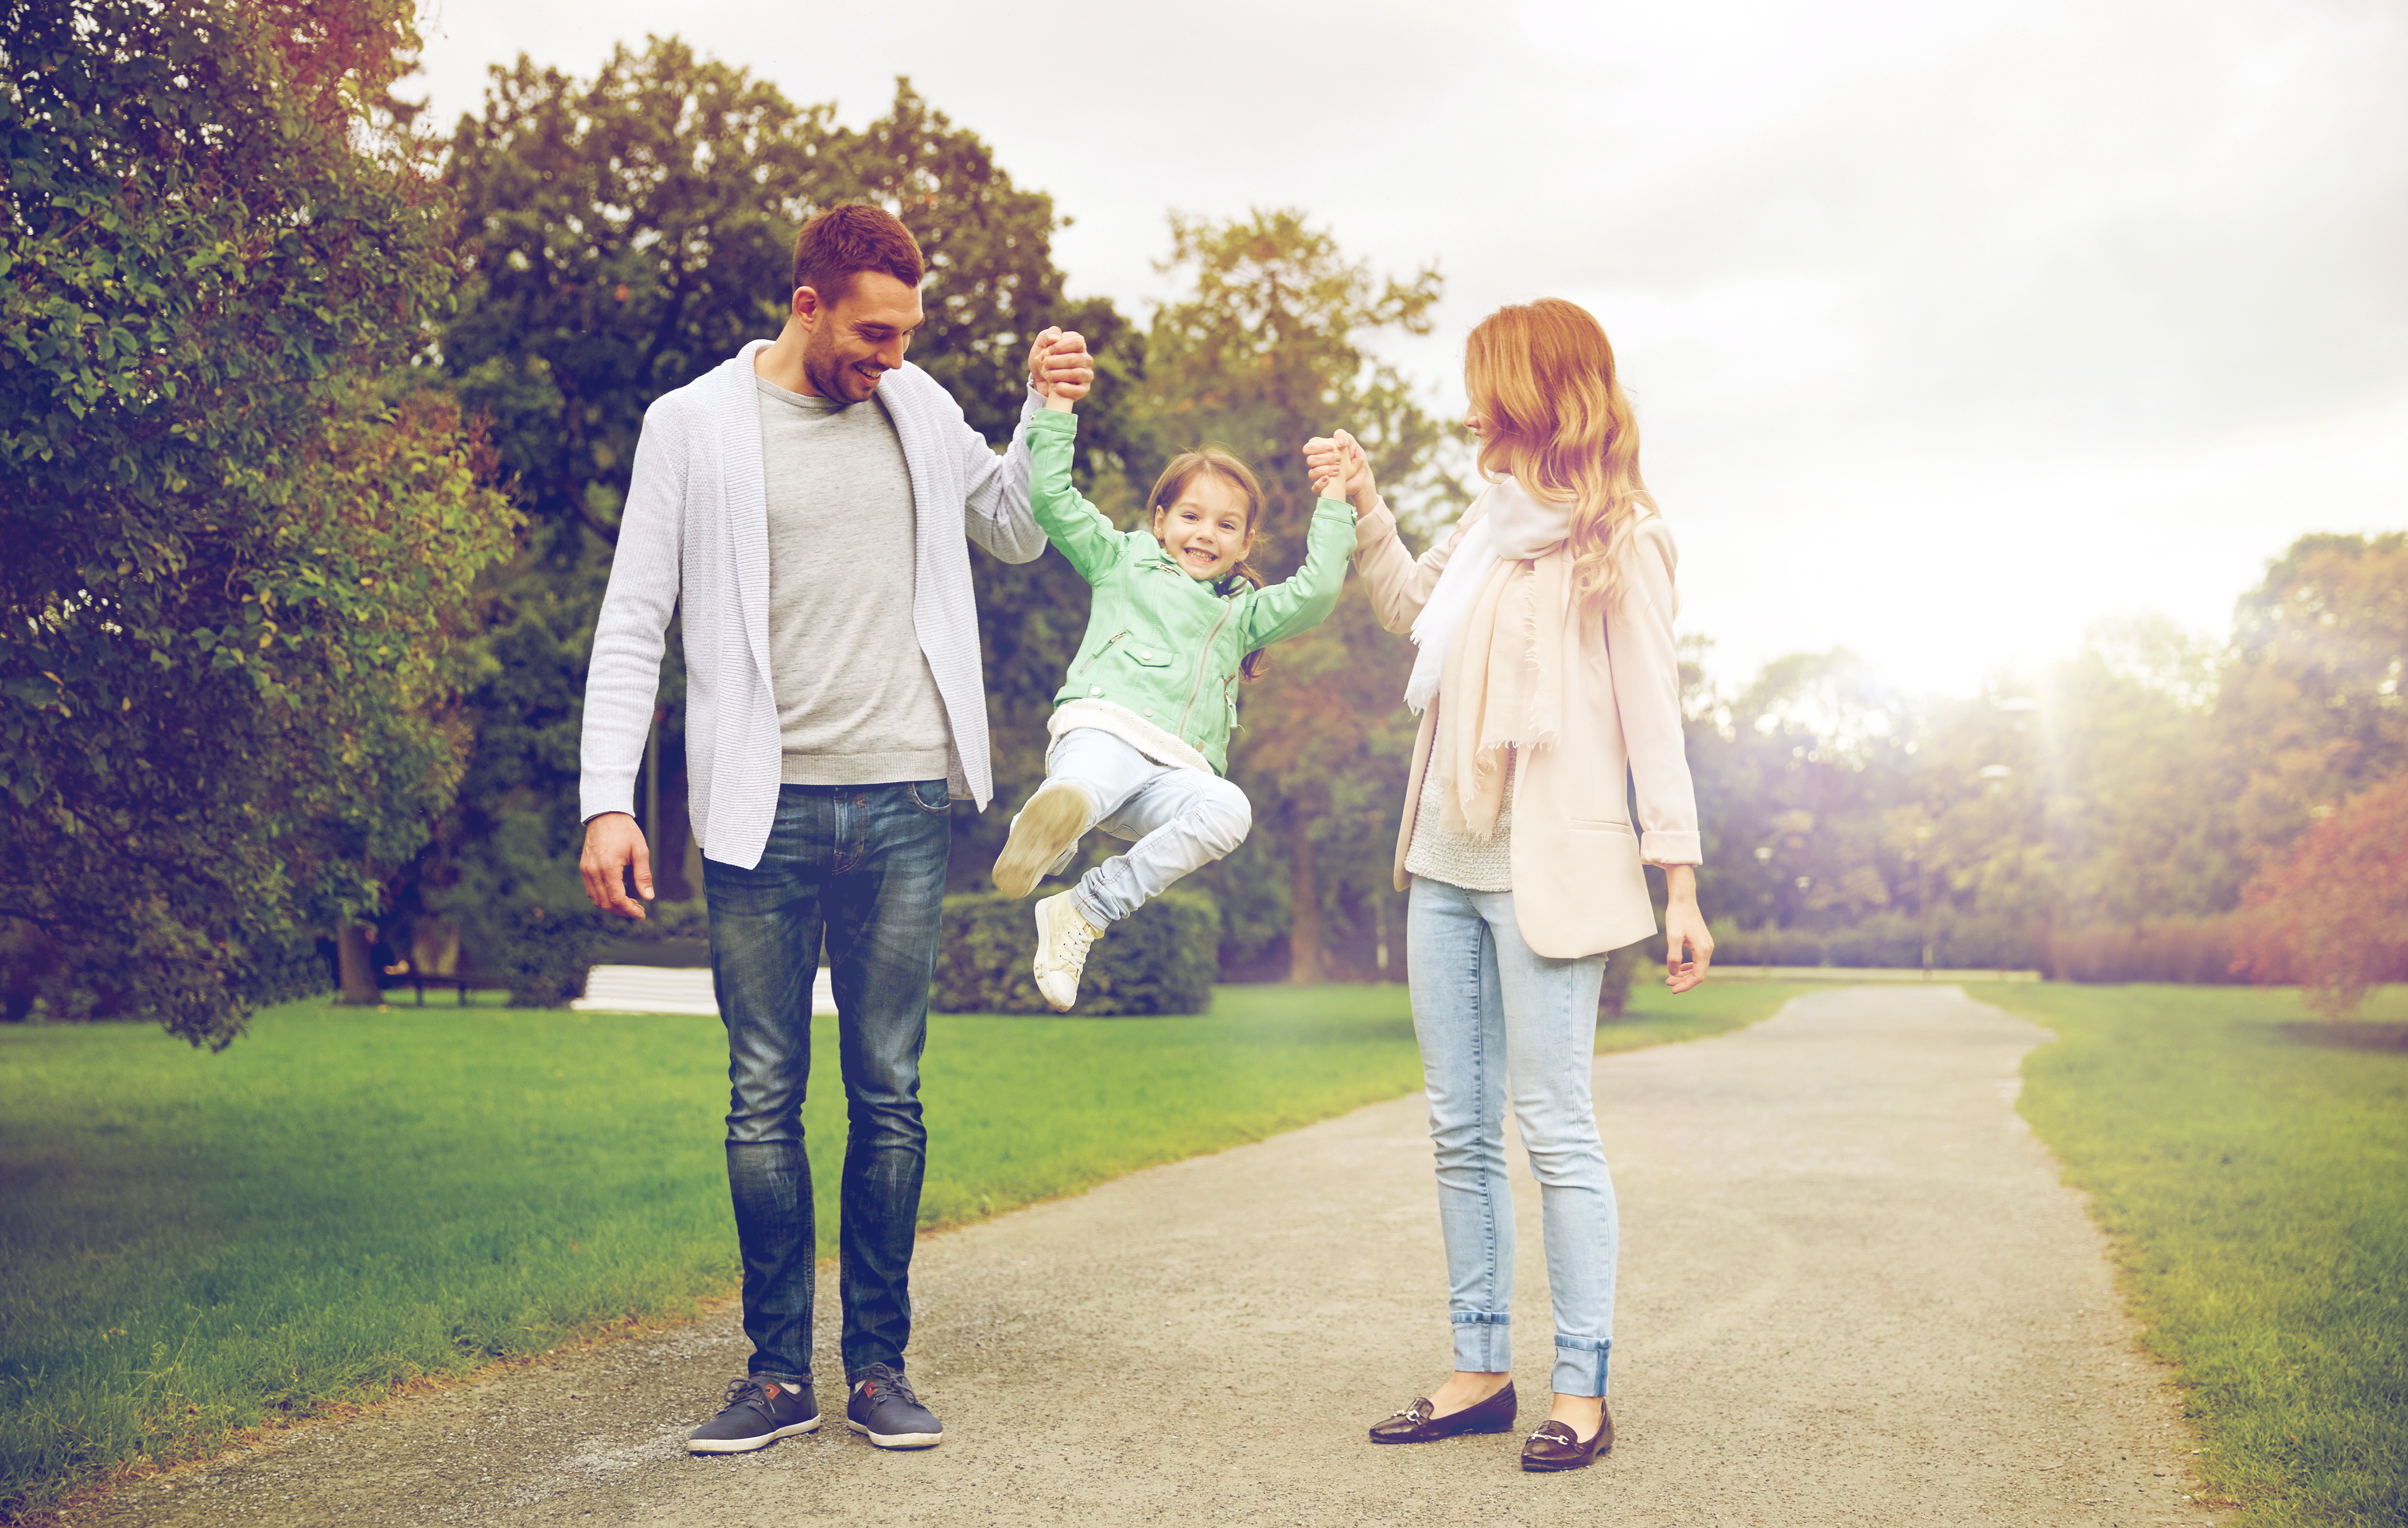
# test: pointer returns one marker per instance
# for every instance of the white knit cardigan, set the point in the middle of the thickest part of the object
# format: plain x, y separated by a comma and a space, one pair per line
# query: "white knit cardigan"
696, 534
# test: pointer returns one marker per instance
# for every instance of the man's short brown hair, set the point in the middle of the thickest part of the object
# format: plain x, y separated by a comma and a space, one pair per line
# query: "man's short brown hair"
841, 243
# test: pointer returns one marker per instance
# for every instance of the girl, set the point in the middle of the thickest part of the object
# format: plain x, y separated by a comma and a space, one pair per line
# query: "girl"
1547, 683
1141, 726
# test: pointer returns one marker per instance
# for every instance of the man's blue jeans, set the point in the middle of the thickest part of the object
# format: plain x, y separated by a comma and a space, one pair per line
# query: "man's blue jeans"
1499, 1023
863, 865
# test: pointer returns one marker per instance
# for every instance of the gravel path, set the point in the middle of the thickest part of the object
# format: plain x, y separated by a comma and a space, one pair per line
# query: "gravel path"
1853, 1292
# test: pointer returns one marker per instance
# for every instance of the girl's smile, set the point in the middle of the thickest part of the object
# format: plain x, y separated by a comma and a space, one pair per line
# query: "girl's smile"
1205, 531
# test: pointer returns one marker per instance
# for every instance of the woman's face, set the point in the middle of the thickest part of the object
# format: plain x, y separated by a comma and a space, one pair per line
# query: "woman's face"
1205, 529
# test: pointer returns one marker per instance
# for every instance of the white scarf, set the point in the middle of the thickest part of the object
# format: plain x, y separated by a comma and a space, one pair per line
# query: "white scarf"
1516, 528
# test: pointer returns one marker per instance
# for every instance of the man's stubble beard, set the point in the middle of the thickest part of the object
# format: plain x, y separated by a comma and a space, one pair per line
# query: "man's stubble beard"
828, 376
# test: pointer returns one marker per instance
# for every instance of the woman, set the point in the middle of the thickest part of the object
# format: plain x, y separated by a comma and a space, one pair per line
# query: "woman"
1546, 681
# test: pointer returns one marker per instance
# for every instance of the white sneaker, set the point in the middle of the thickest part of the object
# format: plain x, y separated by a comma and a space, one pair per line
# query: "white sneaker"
1063, 938
1042, 837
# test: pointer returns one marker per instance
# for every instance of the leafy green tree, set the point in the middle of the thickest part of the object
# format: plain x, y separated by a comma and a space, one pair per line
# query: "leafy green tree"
625, 233
2310, 711
238, 597
1268, 346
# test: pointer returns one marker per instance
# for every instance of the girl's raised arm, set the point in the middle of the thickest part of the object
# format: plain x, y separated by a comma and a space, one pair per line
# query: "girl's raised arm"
1303, 599
1077, 529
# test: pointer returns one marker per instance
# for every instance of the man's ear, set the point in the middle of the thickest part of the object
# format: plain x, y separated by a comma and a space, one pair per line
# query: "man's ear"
805, 304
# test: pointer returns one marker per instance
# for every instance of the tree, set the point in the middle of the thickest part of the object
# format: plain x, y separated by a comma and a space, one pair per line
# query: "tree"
627, 232
2333, 915
236, 602
1267, 350
2311, 709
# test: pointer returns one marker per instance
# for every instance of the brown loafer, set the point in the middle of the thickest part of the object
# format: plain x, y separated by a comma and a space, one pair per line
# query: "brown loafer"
1556, 1447
1414, 1424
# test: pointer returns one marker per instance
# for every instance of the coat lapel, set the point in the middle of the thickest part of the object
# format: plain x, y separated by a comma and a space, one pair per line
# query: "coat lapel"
745, 499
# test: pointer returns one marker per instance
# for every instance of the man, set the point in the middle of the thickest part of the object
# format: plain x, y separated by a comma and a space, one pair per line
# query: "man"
805, 506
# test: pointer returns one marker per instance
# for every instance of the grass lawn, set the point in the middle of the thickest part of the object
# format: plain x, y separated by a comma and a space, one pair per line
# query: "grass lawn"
345, 1200
2251, 1162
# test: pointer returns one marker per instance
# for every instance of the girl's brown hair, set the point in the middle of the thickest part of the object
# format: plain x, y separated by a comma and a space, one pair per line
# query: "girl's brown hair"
1184, 468
1549, 410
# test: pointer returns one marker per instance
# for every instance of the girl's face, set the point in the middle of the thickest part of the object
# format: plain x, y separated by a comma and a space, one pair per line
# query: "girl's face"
1205, 530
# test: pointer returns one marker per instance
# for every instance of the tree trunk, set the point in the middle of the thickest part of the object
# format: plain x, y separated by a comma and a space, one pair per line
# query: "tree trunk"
1304, 912
358, 965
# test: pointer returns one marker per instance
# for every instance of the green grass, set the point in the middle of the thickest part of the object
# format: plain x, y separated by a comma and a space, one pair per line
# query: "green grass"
2253, 1170
192, 1244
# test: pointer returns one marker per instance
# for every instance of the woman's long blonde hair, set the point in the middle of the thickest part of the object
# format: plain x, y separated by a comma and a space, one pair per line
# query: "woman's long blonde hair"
1550, 413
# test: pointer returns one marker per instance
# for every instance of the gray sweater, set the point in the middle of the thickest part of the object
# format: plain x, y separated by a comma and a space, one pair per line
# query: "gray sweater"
857, 701
694, 542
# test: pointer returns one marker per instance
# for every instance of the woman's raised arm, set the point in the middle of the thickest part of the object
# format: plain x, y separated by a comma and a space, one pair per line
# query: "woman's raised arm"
1399, 583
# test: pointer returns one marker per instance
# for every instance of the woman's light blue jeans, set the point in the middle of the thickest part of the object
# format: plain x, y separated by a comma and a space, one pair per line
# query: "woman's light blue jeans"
1498, 1021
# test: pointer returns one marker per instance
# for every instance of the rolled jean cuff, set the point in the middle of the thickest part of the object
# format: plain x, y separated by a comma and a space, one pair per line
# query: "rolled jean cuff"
1484, 1342
1579, 1366
788, 1381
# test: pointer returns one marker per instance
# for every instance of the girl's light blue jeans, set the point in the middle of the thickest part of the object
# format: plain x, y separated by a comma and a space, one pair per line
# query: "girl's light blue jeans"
1498, 1021
1179, 820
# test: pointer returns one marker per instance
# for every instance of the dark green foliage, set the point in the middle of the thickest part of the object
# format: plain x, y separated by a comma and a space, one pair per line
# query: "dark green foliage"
542, 954
235, 608
1614, 993
1161, 961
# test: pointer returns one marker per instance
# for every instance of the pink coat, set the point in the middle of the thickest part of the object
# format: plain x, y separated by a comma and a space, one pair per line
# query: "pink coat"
1577, 886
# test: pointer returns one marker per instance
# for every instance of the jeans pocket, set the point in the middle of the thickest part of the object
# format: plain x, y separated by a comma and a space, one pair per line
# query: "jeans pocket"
931, 796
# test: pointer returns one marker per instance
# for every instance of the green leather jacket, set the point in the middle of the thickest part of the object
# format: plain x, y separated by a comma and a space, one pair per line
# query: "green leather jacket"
1159, 643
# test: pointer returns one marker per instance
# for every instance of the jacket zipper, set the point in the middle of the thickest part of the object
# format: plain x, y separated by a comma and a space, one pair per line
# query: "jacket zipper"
1203, 659
1098, 655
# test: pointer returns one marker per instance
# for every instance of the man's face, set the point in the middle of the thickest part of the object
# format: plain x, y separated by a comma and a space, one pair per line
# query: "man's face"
1205, 531
860, 337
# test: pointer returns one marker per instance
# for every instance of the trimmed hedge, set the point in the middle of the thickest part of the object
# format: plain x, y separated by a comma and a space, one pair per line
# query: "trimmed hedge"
1162, 961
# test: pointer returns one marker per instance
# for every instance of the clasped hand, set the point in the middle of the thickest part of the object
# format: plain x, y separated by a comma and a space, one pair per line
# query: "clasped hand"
1059, 366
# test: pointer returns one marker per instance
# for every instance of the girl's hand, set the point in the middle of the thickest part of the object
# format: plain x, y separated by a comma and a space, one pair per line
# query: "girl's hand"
1683, 924
1340, 470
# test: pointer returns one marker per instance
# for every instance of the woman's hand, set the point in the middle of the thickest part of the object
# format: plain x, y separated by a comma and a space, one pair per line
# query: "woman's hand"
1684, 925
1340, 470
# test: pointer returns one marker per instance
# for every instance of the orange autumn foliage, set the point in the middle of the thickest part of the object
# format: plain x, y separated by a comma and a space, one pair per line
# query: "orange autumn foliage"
2333, 915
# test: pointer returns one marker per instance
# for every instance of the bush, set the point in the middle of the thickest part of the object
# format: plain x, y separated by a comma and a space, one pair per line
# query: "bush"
1884, 939
2183, 950
1613, 997
1161, 961
542, 957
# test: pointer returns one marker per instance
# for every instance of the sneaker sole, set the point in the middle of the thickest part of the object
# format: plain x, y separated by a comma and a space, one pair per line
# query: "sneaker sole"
1052, 822
746, 1445
899, 1440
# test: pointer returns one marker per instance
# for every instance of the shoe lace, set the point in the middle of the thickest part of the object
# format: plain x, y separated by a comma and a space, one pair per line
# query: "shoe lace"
741, 1392
891, 1382
1076, 940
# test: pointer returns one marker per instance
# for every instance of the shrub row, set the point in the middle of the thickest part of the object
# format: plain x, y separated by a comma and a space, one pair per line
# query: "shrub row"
1884, 939
1164, 959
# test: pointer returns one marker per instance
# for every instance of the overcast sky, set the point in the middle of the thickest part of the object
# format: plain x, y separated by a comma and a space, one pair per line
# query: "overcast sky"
1952, 329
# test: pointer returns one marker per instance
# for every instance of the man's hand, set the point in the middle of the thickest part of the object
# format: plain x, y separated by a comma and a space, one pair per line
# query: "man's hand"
613, 842
1059, 366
